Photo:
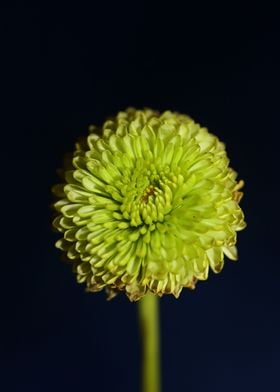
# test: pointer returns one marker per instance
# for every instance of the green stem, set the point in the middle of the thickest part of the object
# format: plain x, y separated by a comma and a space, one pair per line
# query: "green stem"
149, 326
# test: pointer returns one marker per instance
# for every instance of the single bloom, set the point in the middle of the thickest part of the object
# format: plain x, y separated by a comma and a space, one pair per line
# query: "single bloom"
148, 203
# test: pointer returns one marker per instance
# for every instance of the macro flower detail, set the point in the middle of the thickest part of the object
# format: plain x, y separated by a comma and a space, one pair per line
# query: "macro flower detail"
148, 203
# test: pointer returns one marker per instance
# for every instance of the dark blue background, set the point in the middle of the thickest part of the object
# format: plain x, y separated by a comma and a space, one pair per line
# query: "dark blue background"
66, 68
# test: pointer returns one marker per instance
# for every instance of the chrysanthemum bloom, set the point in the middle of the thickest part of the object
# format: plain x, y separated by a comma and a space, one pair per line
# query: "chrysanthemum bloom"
149, 205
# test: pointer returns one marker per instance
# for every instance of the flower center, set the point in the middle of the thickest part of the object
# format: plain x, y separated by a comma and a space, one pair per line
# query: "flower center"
150, 191
148, 195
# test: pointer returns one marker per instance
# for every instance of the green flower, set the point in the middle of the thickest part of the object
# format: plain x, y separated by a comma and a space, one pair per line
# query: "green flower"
149, 205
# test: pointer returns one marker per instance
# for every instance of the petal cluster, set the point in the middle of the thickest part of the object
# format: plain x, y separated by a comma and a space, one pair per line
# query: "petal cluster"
149, 205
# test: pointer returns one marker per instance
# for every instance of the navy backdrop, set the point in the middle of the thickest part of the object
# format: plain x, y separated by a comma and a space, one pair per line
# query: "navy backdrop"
67, 68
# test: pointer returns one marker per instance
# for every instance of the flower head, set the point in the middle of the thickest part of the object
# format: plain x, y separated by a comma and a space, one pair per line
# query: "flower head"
149, 205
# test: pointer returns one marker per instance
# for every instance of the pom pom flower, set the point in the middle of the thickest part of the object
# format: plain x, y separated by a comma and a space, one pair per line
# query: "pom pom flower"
148, 203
